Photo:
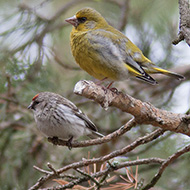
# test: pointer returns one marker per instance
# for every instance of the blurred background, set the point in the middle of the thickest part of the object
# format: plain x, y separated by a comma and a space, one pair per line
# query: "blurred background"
35, 56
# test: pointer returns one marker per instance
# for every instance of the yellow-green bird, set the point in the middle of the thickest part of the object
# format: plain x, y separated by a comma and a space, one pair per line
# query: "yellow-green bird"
105, 53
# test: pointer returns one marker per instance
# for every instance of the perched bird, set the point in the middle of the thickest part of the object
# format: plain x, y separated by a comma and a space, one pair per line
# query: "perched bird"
58, 117
106, 53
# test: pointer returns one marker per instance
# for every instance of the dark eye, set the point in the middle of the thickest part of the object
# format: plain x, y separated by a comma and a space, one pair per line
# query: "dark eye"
82, 19
36, 102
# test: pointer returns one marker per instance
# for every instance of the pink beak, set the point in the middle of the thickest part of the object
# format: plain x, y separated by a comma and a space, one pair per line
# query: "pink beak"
72, 20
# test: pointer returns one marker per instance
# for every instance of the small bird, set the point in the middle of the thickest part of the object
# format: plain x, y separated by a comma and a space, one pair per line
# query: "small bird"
106, 53
57, 117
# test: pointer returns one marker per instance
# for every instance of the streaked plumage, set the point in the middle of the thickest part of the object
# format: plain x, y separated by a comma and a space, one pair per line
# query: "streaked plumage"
104, 52
56, 116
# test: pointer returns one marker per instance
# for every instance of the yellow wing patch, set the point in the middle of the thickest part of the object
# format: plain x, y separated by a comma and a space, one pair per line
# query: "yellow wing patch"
135, 72
161, 70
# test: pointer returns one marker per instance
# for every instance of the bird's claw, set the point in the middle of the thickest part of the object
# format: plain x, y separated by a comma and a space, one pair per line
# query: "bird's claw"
69, 143
53, 140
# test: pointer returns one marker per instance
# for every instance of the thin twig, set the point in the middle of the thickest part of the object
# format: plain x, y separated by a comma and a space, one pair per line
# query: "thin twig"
64, 65
164, 166
109, 170
114, 135
52, 168
138, 142
65, 8
132, 146
151, 145
87, 175
41, 170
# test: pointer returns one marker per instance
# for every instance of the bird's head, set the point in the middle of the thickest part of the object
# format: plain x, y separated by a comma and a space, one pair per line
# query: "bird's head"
40, 100
87, 19
36, 102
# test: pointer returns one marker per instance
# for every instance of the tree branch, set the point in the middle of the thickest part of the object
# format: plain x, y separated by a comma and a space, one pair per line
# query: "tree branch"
132, 146
164, 165
109, 170
184, 25
144, 112
114, 135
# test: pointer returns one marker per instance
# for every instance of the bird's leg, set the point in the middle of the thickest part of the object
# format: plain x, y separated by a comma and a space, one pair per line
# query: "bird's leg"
69, 143
112, 89
109, 85
99, 82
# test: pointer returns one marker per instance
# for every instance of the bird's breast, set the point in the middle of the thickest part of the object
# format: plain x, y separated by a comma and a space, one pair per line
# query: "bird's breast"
98, 56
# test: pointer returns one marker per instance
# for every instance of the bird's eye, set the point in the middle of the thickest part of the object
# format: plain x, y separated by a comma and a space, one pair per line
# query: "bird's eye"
36, 102
82, 19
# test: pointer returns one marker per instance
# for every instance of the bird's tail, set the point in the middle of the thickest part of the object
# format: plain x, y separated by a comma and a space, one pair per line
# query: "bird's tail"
95, 135
166, 72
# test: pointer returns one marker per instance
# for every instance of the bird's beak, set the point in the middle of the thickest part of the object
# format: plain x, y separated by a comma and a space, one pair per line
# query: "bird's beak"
72, 20
30, 106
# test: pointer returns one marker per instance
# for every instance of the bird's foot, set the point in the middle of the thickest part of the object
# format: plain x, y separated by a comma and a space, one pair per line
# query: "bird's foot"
53, 140
69, 143
115, 90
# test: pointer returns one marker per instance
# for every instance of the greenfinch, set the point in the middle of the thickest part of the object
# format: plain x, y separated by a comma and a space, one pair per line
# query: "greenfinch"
106, 53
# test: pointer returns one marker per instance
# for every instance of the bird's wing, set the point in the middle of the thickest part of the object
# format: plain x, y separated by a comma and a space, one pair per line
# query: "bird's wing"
73, 108
104, 43
138, 71
87, 121
117, 46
